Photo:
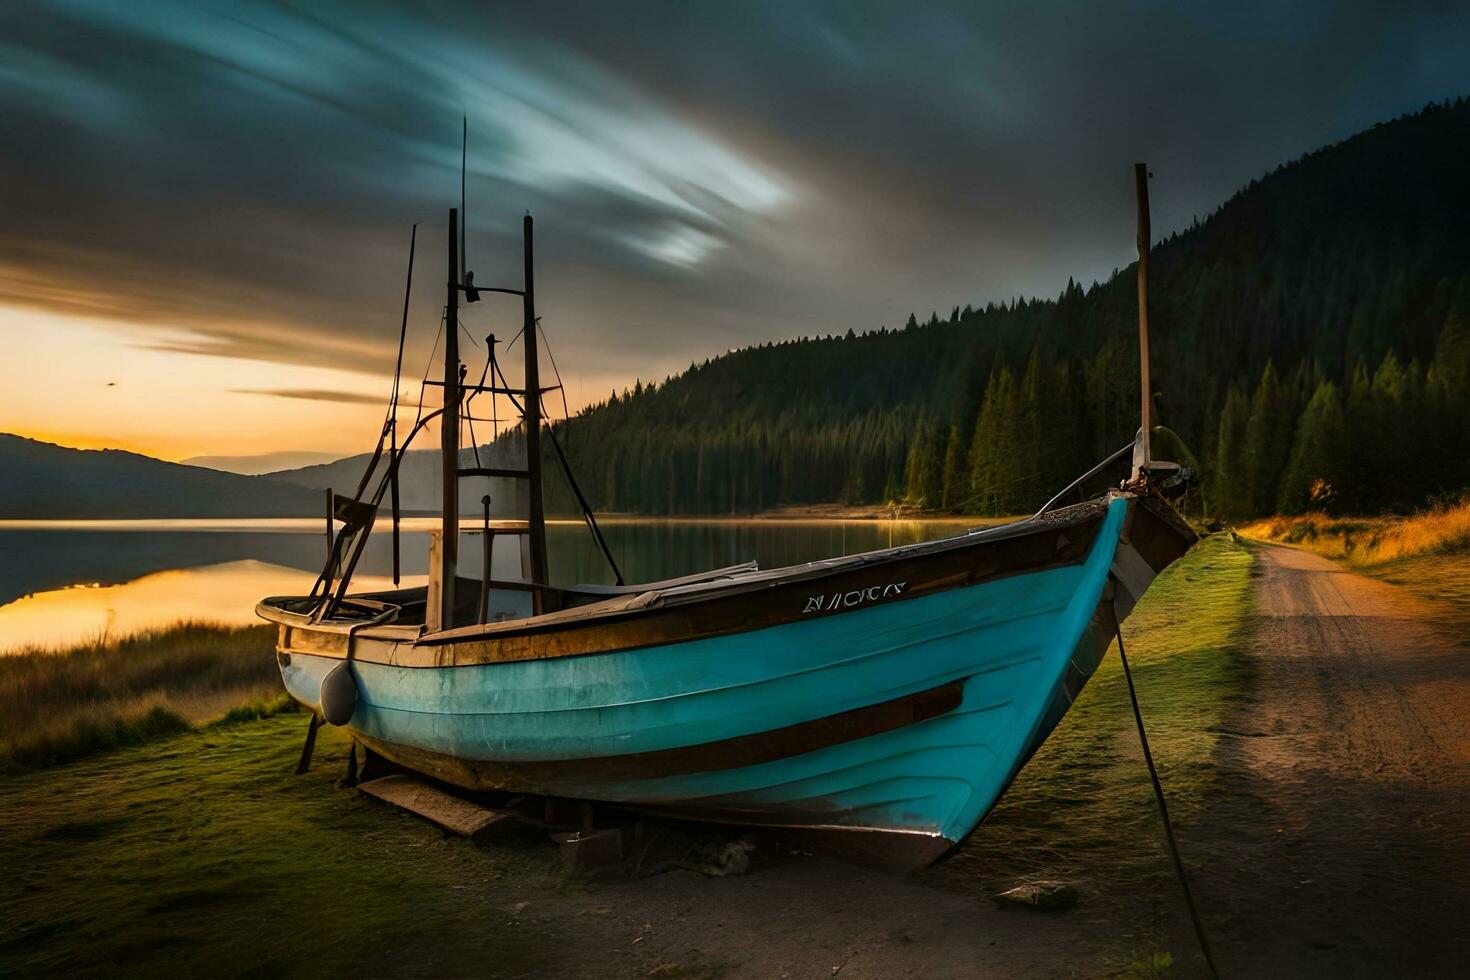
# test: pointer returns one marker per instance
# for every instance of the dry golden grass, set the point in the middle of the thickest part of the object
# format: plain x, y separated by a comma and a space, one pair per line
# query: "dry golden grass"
1364, 542
58, 705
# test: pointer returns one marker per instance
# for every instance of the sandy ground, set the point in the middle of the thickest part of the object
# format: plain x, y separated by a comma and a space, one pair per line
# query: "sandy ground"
1342, 847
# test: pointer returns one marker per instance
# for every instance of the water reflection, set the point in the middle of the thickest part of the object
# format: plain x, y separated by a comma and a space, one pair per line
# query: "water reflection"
61, 582
224, 593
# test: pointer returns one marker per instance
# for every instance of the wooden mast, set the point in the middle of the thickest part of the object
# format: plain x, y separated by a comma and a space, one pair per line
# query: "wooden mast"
449, 436
1140, 180
1144, 235
532, 414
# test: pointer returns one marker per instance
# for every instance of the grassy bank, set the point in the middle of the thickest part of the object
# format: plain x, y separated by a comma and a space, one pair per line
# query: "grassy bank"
202, 855
1366, 542
61, 705
1427, 553
1082, 809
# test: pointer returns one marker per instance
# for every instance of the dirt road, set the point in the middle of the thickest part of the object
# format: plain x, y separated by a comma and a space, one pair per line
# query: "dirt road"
1341, 846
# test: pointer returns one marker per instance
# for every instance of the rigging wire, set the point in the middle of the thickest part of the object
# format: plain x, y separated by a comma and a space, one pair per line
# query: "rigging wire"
468, 412
392, 420
587, 515
494, 399
403, 328
566, 465
566, 413
1153, 775
429, 366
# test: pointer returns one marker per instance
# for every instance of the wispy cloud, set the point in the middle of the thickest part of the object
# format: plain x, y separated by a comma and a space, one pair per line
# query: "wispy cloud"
237, 180
677, 245
314, 395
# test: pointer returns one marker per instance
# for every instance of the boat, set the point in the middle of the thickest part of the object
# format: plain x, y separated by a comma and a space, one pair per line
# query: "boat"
875, 705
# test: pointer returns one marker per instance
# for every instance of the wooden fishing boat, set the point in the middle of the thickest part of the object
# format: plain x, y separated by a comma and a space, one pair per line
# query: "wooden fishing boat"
877, 703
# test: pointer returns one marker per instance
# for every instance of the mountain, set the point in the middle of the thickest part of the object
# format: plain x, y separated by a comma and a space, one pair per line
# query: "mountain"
419, 479
1309, 339
261, 463
41, 480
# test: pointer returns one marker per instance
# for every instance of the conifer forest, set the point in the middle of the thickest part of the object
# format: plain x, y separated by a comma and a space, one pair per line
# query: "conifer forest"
1311, 351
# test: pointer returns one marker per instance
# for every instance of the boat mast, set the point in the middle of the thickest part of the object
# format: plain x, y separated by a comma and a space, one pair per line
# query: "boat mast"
449, 435
1140, 180
531, 412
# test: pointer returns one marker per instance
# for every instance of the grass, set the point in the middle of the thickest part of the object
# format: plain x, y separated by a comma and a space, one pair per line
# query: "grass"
203, 855
57, 706
1082, 810
200, 853
1428, 553
1366, 542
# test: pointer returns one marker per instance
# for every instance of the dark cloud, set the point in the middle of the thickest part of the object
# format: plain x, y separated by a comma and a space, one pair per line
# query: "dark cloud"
703, 175
314, 395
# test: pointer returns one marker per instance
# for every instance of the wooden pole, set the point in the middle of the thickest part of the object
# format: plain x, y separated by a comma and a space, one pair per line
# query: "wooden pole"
532, 412
464, 212
1140, 180
449, 434
394, 510
488, 543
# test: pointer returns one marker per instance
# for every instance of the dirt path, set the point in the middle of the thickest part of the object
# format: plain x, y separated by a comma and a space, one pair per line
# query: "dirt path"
804, 918
1341, 846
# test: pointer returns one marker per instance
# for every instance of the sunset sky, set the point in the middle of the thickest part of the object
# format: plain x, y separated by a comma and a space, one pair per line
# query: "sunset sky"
207, 205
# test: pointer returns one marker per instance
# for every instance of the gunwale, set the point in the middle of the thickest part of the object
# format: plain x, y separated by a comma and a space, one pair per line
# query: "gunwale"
738, 604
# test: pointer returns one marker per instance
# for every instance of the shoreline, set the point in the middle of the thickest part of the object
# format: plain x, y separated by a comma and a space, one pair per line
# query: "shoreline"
313, 524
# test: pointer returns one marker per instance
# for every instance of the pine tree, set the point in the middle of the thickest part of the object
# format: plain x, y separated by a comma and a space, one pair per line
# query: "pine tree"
923, 476
1448, 398
955, 484
1319, 455
1390, 426
1026, 467
1360, 495
1267, 443
996, 443
1230, 494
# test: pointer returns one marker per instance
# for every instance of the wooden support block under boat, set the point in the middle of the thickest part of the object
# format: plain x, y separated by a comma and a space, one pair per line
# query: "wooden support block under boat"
452, 813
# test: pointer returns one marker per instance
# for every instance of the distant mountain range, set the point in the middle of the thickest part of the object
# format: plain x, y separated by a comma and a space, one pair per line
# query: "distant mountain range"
419, 479
262, 463
41, 480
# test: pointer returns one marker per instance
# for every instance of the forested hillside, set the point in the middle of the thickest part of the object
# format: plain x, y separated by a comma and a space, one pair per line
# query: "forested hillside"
1311, 344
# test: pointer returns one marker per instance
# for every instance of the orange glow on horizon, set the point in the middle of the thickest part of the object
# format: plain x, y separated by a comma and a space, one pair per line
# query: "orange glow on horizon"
91, 383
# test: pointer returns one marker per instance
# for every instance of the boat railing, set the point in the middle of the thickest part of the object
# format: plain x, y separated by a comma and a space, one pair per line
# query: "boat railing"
1082, 479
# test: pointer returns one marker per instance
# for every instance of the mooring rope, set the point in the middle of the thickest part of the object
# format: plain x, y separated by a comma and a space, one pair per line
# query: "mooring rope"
1153, 775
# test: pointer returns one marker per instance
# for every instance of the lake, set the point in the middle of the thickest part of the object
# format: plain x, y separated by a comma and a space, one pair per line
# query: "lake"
66, 581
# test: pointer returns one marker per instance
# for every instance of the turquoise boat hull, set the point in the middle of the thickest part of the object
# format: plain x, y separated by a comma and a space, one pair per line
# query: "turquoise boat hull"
899, 720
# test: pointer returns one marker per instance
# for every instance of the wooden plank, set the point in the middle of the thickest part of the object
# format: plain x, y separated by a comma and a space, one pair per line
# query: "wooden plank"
456, 815
434, 609
551, 777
